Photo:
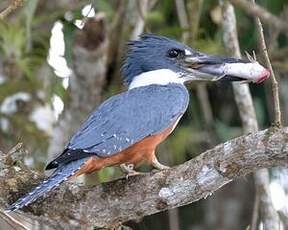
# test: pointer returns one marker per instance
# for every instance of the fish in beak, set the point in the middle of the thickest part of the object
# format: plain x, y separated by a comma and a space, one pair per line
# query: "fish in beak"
201, 66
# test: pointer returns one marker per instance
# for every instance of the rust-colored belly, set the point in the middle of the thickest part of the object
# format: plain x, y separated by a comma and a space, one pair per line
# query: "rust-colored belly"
140, 152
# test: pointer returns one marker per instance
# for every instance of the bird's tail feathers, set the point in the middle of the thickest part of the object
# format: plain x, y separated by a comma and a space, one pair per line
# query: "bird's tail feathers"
61, 174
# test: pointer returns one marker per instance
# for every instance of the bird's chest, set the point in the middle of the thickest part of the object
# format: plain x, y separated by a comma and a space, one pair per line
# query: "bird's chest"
144, 150
140, 152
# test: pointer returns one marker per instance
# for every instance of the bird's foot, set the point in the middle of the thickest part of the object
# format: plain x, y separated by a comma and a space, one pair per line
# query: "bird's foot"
156, 164
129, 171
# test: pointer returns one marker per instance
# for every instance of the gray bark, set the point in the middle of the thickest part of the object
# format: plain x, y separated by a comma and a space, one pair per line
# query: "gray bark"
112, 203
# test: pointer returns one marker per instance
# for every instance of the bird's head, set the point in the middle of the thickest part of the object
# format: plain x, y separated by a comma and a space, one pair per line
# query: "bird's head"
156, 59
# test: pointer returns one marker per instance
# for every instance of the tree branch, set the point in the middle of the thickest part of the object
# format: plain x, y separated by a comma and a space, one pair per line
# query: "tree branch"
263, 14
118, 201
248, 116
275, 87
241, 91
13, 6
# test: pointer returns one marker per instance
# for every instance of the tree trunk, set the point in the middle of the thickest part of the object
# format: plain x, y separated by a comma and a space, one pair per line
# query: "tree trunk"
86, 82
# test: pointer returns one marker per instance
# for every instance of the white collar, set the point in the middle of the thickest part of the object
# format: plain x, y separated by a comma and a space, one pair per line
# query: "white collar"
159, 77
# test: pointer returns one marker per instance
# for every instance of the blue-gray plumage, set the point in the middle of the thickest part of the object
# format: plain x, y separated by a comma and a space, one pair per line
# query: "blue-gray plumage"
127, 127
127, 118
152, 53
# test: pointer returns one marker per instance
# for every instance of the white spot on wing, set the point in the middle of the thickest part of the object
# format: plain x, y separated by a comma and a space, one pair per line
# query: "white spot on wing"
187, 52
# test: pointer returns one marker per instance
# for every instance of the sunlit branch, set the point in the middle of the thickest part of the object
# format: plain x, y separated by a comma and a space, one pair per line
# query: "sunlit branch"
118, 201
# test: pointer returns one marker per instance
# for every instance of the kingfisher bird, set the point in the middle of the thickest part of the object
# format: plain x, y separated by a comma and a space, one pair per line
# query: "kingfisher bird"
126, 128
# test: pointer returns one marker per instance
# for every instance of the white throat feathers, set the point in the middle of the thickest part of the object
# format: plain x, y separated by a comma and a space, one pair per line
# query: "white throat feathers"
158, 77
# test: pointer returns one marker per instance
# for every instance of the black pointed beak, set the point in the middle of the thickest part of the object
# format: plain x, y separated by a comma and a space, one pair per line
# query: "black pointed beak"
208, 67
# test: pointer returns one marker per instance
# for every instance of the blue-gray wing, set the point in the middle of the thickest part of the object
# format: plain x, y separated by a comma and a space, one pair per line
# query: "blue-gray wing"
129, 117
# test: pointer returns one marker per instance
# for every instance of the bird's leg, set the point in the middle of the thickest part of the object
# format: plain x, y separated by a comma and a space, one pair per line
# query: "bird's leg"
156, 164
128, 169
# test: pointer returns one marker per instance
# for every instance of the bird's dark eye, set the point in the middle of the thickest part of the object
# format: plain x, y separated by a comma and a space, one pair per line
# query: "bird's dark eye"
173, 53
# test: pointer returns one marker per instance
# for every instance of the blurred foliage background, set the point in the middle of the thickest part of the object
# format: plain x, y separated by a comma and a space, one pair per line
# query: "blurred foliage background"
60, 59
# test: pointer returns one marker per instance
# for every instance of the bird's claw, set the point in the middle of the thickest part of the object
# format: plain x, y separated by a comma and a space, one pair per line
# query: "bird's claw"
129, 171
156, 164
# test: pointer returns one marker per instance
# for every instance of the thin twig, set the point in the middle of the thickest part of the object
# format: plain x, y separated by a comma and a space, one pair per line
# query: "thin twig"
248, 116
275, 87
15, 148
241, 91
266, 16
13, 6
